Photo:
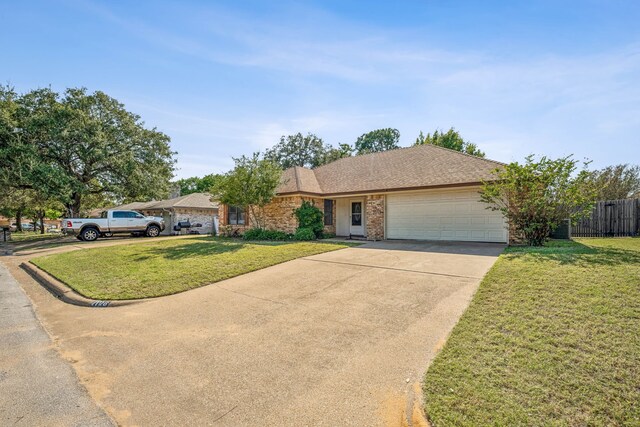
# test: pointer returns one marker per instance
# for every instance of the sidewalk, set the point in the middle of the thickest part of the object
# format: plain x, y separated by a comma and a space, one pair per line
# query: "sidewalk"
37, 387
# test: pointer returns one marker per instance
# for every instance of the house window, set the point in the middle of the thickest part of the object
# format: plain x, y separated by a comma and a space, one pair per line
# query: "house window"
328, 212
236, 215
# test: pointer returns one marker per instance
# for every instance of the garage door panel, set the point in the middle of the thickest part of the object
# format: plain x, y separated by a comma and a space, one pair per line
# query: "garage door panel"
443, 215
479, 220
460, 208
495, 221
462, 222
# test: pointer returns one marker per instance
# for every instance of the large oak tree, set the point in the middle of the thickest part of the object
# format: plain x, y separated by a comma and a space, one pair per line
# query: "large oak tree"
78, 145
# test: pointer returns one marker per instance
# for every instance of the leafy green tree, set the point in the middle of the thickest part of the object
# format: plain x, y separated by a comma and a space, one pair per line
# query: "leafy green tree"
197, 185
39, 208
537, 195
29, 204
13, 204
616, 182
251, 184
297, 150
377, 140
332, 153
72, 146
450, 139
308, 151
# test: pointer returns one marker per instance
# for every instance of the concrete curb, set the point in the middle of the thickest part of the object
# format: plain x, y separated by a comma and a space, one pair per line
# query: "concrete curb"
65, 293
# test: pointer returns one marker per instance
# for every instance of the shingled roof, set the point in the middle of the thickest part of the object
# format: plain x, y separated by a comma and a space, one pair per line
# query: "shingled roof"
416, 167
194, 200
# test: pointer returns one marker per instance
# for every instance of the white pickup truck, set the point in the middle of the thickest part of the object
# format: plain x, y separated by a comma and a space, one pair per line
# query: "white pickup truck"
113, 222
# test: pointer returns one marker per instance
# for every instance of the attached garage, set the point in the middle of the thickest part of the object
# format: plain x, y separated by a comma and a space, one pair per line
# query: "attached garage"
451, 214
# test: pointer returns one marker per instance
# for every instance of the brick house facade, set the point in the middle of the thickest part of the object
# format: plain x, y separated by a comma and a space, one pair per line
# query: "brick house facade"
421, 192
278, 215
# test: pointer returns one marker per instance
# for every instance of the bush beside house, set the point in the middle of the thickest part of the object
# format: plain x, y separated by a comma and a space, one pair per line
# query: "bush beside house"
310, 221
537, 196
310, 226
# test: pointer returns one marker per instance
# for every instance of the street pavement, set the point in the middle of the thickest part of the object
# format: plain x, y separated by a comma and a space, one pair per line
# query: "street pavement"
37, 386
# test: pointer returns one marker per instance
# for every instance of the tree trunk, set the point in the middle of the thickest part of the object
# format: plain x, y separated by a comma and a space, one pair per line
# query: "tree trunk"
255, 218
73, 207
19, 219
41, 218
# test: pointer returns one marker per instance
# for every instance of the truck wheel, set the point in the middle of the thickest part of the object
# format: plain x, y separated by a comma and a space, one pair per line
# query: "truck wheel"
153, 231
106, 235
89, 234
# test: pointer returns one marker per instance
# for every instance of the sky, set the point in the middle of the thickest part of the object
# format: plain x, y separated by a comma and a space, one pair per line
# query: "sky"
228, 78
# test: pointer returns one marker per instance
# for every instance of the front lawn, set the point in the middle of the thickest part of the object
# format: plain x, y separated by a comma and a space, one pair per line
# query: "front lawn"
29, 236
167, 267
552, 337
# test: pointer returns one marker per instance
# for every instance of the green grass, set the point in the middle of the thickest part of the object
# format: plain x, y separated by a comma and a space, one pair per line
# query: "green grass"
30, 236
551, 338
167, 267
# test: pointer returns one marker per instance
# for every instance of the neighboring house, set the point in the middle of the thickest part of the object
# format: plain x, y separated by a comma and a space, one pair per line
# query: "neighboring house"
423, 192
196, 208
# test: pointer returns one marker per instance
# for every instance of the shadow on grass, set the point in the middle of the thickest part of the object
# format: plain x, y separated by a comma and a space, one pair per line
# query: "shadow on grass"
203, 246
576, 253
36, 244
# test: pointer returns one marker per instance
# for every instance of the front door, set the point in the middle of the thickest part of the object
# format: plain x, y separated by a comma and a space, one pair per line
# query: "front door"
356, 219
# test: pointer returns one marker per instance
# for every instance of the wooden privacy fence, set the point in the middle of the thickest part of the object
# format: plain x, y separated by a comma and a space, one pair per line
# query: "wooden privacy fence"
610, 218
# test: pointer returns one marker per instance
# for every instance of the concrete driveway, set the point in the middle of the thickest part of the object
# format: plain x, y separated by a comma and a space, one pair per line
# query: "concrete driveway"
339, 338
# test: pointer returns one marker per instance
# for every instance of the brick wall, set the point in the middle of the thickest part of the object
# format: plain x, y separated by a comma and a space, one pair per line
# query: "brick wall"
278, 215
374, 213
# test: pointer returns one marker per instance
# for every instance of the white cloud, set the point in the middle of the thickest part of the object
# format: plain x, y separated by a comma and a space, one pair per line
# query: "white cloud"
587, 104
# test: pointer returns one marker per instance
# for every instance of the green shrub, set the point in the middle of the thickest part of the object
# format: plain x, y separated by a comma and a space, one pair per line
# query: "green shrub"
328, 235
275, 235
253, 234
304, 233
311, 217
263, 234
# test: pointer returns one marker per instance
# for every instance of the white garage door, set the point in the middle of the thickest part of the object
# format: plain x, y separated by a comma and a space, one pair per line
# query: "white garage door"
443, 215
